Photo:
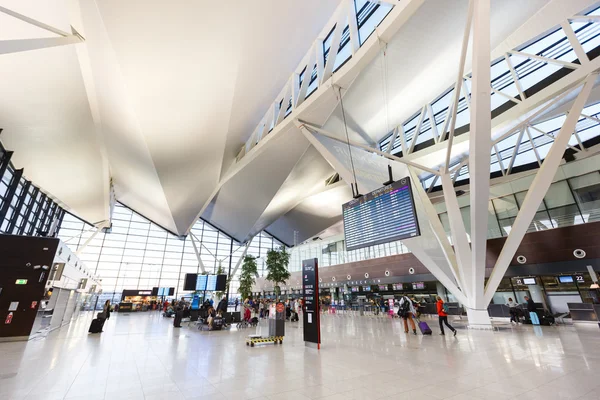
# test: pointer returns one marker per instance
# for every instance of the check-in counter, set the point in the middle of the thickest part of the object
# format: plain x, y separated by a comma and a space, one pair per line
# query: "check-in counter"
125, 307
581, 312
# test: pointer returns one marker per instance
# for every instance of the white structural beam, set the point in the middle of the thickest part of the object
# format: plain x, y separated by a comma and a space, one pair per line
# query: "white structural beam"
459, 81
449, 281
335, 41
309, 127
538, 189
237, 265
19, 45
548, 60
479, 159
34, 22
200, 263
579, 51
459, 234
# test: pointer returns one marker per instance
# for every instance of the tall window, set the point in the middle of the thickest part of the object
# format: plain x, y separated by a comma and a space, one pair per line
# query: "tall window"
138, 254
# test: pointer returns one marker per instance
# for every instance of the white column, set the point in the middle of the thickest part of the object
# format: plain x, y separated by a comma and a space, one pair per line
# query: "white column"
479, 161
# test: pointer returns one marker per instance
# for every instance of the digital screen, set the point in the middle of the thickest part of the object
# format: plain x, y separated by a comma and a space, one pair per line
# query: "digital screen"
221, 283
384, 215
201, 282
211, 283
196, 302
367, 288
529, 281
354, 289
418, 285
565, 279
161, 291
383, 288
398, 286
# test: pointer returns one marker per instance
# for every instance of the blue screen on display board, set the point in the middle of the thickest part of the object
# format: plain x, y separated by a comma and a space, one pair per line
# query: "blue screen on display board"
201, 282
565, 279
161, 291
211, 283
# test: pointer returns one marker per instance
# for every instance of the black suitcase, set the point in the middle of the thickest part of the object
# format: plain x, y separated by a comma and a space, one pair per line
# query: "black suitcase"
96, 325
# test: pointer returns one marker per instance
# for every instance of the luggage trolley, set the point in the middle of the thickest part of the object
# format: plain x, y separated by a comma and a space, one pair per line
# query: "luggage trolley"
258, 339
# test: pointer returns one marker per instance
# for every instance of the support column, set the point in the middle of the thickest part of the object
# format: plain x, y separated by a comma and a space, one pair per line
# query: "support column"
479, 162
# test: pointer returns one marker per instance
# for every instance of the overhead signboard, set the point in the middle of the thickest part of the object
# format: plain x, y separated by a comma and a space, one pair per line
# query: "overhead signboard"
384, 215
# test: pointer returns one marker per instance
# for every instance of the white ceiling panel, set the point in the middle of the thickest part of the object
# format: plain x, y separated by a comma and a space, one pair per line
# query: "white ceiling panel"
243, 198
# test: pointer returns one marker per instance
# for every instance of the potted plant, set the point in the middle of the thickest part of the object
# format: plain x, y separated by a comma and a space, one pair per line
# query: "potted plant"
277, 268
248, 276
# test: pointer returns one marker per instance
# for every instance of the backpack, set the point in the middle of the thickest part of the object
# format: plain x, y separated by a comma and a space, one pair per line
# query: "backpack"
445, 308
404, 309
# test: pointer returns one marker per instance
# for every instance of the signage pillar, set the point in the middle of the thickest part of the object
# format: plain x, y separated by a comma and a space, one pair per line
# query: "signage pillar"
310, 294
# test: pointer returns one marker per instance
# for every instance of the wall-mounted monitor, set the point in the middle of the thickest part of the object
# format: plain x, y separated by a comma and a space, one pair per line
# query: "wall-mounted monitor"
529, 281
354, 289
384, 215
398, 286
565, 279
366, 288
418, 285
383, 288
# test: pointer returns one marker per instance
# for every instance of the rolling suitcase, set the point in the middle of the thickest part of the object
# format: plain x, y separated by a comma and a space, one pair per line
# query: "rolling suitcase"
424, 328
96, 325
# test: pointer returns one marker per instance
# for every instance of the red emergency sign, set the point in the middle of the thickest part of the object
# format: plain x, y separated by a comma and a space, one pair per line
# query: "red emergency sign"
8, 318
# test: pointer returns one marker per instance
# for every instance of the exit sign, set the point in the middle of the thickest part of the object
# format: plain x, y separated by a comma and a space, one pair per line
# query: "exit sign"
21, 282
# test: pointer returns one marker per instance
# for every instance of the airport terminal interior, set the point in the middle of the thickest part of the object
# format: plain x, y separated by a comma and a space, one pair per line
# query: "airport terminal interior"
303, 199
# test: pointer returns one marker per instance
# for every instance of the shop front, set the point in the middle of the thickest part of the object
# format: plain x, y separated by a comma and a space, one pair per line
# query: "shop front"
137, 300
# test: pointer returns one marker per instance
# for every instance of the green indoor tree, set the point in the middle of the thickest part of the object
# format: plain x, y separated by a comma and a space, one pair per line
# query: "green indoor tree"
277, 267
220, 271
248, 276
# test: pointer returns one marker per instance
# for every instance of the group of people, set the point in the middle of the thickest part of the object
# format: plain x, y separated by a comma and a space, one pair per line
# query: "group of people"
261, 308
407, 310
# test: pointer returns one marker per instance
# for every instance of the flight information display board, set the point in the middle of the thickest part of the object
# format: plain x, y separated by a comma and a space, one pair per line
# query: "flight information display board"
384, 215
201, 282
211, 284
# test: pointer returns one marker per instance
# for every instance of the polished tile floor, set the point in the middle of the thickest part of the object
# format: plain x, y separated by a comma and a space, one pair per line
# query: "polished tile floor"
141, 356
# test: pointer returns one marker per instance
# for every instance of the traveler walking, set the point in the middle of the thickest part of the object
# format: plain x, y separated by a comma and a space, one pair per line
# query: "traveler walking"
222, 306
512, 309
106, 309
406, 311
442, 310
236, 304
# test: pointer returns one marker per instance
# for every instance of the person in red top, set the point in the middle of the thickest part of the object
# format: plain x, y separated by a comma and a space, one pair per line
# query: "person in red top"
443, 316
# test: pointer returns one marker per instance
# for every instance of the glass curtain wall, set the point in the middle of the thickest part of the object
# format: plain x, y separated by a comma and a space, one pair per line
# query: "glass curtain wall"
24, 209
138, 254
